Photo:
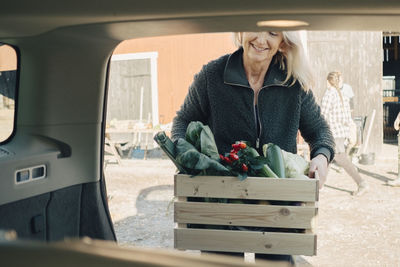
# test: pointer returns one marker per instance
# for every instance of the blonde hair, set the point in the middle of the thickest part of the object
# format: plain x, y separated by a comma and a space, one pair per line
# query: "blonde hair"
292, 59
333, 79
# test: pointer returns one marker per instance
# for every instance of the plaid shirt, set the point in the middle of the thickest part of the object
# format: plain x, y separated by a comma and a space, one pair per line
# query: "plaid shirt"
336, 113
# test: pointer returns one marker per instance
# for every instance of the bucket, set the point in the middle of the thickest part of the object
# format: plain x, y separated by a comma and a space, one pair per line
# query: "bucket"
137, 153
367, 159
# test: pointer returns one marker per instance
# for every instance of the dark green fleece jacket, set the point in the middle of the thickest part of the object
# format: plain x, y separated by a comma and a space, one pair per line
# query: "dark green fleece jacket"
221, 97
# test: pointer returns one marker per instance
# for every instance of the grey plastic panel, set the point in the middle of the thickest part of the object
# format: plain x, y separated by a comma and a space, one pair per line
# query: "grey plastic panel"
79, 165
59, 110
5, 152
229, 15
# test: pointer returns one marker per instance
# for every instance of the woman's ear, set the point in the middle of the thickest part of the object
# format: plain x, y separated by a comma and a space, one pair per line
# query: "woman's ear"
282, 47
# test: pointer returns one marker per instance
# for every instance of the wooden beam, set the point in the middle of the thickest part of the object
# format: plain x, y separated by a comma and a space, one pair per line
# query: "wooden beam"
252, 188
245, 214
247, 241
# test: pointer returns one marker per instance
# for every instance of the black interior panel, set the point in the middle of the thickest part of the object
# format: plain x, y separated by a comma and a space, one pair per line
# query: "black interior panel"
27, 217
74, 211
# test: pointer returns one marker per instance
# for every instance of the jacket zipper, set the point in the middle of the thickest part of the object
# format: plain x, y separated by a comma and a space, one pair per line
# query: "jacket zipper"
258, 122
256, 114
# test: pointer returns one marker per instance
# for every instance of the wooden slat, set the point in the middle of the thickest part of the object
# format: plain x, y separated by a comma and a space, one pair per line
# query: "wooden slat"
247, 241
245, 214
180, 225
181, 200
390, 99
251, 188
314, 220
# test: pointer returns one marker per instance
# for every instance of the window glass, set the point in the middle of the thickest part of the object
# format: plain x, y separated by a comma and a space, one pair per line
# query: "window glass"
8, 70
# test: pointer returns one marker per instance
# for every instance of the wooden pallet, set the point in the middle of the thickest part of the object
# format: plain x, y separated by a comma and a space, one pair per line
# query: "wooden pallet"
277, 222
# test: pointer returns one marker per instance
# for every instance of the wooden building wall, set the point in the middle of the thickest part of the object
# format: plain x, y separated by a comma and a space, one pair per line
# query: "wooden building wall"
180, 57
8, 58
130, 85
8, 65
358, 55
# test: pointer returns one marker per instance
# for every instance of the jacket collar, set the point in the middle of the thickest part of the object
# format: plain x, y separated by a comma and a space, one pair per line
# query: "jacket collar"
234, 72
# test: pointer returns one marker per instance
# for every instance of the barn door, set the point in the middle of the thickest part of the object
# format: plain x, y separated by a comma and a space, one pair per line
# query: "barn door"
133, 88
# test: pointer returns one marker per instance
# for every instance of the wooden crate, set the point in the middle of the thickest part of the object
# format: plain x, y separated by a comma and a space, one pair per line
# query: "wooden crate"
277, 222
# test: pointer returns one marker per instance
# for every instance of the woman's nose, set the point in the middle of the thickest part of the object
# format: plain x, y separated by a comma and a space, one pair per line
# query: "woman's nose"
262, 37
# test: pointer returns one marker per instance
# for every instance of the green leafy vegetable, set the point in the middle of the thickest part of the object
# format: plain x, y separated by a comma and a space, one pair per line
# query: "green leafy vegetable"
168, 147
193, 134
243, 161
295, 165
201, 137
274, 156
195, 162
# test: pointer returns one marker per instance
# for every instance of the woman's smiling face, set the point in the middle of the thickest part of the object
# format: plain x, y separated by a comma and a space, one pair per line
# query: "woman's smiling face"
261, 46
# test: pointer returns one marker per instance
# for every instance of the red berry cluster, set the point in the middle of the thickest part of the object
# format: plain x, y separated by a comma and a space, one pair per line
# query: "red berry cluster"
233, 156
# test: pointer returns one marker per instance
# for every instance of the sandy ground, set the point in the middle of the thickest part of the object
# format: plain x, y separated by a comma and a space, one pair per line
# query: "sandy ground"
352, 231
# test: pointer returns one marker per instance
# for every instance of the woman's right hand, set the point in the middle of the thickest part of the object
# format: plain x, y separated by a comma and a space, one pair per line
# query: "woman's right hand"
320, 164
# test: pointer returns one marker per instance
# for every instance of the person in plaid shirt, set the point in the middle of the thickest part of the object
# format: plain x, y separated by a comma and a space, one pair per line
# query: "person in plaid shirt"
336, 110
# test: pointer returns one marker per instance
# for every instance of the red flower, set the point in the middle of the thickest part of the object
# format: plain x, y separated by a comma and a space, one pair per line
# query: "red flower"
227, 160
236, 147
233, 156
244, 167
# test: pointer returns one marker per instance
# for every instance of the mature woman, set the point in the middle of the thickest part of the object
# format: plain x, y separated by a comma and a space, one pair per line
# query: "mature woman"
260, 94
336, 109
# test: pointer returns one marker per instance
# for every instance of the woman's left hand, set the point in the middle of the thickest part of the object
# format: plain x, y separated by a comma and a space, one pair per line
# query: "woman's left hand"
320, 164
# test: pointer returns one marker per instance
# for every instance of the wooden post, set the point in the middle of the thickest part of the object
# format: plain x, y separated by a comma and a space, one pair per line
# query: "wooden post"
371, 122
398, 156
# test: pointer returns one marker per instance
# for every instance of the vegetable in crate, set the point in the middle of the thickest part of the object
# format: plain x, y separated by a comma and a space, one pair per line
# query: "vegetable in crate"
243, 161
266, 170
274, 156
294, 166
195, 162
201, 137
168, 147
196, 155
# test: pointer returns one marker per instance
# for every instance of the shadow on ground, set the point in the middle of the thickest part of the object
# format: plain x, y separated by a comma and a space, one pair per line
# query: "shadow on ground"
374, 175
338, 189
153, 224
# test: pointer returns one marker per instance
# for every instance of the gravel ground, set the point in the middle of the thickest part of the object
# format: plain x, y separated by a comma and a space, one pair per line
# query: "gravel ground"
352, 231
140, 201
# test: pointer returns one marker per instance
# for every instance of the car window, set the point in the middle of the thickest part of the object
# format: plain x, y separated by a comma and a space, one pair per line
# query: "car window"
8, 70
149, 79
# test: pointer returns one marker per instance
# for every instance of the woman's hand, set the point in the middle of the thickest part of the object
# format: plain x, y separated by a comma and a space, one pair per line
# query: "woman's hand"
320, 164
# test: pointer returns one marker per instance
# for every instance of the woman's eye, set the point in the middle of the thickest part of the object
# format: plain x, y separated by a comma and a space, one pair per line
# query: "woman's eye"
273, 33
